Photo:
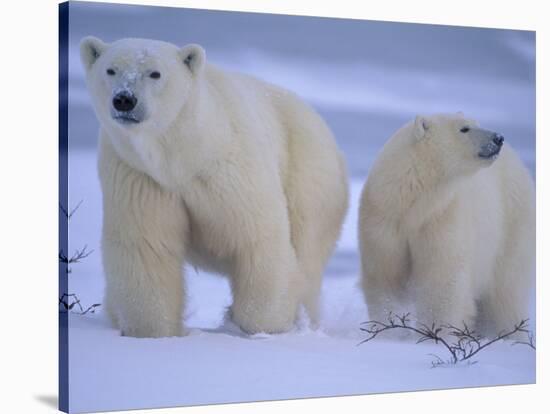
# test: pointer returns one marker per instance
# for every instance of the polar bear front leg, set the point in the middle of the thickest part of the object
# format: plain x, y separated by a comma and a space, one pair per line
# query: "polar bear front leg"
144, 228
266, 280
441, 276
384, 265
265, 289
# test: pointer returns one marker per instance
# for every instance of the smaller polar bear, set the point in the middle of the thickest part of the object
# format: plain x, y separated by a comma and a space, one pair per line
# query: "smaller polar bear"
447, 222
221, 170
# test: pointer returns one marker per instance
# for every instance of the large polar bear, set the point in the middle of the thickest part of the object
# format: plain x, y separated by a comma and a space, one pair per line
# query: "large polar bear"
447, 225
217, 169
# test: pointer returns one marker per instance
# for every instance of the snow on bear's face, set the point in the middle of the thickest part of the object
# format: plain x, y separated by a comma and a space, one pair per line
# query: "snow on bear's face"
138, 85
453, 145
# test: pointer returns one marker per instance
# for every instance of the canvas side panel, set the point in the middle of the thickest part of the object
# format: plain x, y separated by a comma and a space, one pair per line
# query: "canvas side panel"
63, 200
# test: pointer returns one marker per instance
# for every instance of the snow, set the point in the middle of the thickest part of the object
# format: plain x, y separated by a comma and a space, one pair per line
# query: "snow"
366, 80
216, 363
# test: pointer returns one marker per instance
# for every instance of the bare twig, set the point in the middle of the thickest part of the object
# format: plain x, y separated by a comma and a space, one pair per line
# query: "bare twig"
437, 362
76, 257
68, 214
467, 347
530, 342
467, 342
69, 300
78, 254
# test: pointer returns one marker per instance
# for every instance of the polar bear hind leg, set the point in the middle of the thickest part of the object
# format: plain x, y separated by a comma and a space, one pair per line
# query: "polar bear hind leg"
317, 197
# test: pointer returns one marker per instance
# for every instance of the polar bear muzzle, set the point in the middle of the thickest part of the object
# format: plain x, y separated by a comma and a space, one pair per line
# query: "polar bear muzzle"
492, 143
124, 101
125, 108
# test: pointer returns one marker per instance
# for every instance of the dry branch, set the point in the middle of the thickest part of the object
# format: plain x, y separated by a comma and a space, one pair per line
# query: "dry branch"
69, 300
462, 343
69, 214
76, 257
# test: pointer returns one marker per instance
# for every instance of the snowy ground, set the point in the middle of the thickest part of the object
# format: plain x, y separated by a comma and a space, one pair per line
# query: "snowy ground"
216, 363
366, 81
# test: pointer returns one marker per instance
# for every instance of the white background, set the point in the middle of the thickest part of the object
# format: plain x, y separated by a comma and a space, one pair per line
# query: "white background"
28, 159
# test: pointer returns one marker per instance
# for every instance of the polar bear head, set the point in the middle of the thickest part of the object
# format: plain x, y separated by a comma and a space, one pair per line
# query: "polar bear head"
451, 145
140, 86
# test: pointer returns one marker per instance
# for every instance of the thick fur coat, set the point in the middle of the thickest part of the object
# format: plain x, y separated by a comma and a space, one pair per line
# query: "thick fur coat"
447, 226
217, 169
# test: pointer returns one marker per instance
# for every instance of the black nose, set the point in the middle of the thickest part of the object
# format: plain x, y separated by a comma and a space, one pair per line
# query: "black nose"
498, 139
124, 101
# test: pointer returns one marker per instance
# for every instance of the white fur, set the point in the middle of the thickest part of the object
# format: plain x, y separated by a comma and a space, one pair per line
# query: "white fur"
443, 232
226, 172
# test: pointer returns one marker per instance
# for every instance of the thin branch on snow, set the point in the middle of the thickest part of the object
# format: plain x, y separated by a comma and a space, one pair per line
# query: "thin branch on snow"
69, 300
76, 257
68, 214
530, 341
78, 254
465, 345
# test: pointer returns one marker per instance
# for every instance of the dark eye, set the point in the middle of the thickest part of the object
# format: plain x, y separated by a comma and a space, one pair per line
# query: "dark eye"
154, 75
110, 72
464, 129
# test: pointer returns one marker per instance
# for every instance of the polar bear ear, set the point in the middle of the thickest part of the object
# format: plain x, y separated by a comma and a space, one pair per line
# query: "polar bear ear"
421, 125
194, 57
91, 49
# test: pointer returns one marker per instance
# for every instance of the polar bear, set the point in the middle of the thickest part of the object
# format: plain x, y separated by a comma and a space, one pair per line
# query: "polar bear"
221, 170
447, 227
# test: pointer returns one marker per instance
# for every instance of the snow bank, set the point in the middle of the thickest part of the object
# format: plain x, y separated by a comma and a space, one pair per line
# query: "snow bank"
216, 363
